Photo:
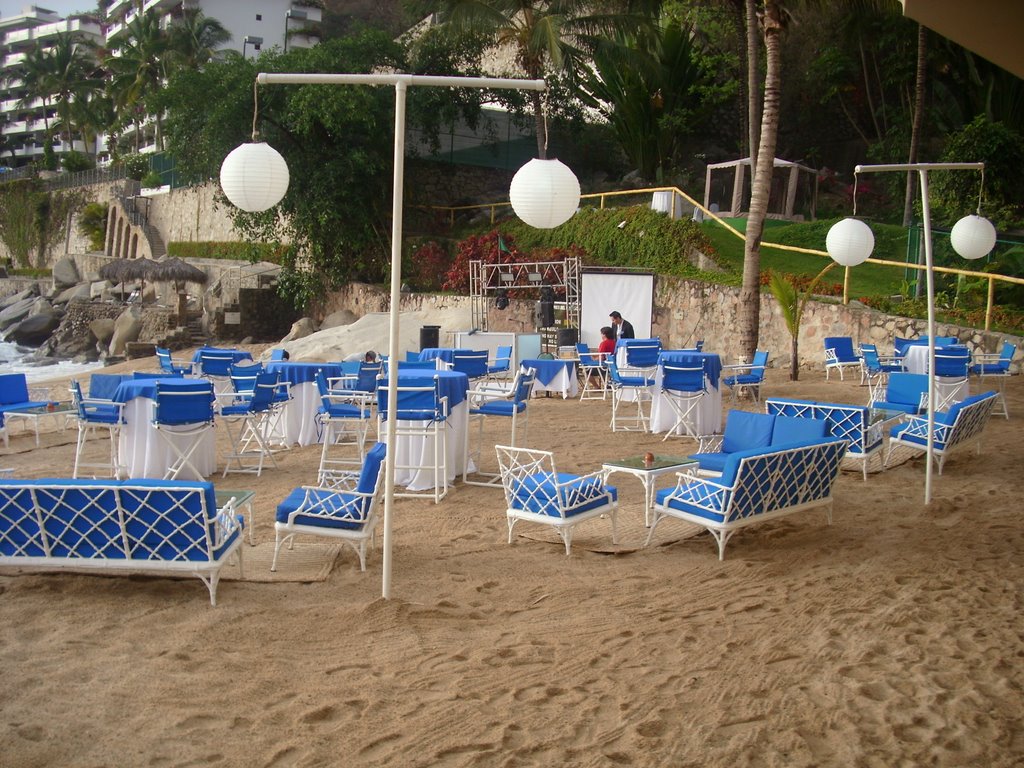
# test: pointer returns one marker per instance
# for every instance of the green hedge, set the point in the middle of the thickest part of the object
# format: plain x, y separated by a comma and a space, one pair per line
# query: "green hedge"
251, 252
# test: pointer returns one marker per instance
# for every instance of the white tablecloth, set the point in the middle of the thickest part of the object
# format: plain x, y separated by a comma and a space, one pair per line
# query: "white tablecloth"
146, 454
414, 451
565, 382
707, 414
297, 424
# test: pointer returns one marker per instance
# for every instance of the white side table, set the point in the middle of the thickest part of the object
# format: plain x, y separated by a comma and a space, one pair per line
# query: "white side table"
648, 474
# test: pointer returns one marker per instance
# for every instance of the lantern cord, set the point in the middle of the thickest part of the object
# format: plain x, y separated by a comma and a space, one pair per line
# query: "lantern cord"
544, 114
255, 108
856, 178
981, 190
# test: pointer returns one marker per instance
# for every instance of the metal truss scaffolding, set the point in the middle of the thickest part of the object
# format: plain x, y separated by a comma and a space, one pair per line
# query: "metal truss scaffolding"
486, 281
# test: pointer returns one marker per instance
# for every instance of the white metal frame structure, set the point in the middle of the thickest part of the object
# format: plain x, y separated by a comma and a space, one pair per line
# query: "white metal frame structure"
485, 280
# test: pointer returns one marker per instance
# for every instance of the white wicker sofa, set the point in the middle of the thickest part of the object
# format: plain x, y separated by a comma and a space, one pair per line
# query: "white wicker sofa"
154, 526
755, 485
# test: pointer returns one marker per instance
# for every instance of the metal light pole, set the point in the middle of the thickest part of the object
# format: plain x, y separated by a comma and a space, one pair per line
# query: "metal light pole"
922, 170
252, 40
401, 83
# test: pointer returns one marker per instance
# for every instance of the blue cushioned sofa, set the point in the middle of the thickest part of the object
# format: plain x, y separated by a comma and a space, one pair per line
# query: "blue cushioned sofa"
745, 430
755, 485
157, 526
851, 422
960, 426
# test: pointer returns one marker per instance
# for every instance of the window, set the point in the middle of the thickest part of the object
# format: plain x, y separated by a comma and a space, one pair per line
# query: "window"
259, 17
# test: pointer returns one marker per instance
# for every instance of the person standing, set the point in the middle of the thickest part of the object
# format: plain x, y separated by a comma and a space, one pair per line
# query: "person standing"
623, 328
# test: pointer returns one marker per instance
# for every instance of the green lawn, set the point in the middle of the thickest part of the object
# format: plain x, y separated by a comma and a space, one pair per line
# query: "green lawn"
865, 280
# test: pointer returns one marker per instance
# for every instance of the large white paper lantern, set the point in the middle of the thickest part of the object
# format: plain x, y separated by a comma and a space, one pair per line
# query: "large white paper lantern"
254, 176
849, 242
544, 193
973, 237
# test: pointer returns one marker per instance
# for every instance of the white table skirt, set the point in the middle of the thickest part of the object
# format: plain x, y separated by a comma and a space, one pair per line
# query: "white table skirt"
145, 453
297, 424
707, 414
916, 359
565, 383
417, 453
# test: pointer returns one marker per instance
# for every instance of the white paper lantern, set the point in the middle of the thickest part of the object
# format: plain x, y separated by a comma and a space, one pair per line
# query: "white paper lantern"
973, 237
544, 193
254, 176
849, 242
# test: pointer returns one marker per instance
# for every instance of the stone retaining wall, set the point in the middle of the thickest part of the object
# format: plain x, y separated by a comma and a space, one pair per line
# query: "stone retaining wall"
686, 311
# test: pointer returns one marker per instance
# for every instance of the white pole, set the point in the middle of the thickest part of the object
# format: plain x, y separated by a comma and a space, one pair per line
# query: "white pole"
401, 83
926, 223
396, 295
929, 275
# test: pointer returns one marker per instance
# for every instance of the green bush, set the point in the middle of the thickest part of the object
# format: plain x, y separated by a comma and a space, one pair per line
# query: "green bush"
151, 180
74, 162
93, 224
251, 252
136, 165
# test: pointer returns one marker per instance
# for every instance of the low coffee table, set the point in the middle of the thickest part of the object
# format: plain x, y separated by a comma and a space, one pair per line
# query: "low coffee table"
648, 474
60, 412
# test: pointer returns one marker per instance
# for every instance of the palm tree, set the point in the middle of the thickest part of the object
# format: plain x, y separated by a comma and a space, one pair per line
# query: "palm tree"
73, 76
548, 36
35, 72
750, 289
195, 39
139, 68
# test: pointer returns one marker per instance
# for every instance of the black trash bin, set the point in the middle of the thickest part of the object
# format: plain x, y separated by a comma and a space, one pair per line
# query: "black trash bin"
567, 337
430, 336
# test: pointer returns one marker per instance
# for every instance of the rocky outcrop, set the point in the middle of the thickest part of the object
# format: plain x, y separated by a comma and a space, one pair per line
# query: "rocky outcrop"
35, 329
65, 273
300, 329
126, 328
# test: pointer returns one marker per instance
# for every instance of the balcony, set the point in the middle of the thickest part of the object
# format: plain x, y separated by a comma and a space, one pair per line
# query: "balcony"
12, 59
305, 13
160, 5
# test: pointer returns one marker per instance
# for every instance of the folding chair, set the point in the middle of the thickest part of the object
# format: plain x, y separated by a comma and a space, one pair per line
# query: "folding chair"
169, 365
471, 362
501, 368
421, 429
183, 413
996, 365
747, 377
642, 357
876, 369
96, 414
345, 420
536, 492
484, 403
254, 417
638, 388
215, 365
683, 386
951, 367
345, 511
591, 366
839, 355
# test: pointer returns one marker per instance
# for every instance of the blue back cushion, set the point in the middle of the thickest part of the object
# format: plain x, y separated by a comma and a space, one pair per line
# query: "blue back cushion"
371, 466
747, 430
789, 429
906, 388
167, 520
13, 388
843, 347
103, 385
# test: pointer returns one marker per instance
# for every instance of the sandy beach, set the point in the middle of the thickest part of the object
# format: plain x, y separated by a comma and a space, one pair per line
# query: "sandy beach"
890, 638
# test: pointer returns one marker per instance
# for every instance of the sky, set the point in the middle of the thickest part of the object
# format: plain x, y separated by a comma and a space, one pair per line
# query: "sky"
63, 7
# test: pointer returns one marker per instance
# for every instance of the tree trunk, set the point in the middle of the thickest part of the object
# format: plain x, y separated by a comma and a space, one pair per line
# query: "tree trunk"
753, 91
541, 128
750, 290
794, 365
915, 131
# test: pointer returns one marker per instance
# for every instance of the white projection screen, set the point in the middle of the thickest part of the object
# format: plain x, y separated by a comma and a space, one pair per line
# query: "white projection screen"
631, 293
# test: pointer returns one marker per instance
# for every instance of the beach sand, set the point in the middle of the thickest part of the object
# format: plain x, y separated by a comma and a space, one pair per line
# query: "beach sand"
890, 638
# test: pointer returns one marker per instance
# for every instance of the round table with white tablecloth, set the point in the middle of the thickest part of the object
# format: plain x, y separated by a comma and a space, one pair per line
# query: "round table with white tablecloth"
298, 424
708, 413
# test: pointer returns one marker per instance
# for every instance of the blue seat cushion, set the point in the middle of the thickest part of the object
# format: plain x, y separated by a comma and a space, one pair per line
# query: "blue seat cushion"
905, 407
791, 429
537, 493
712, 462
636, 381
294, 499
500, 408
745, 378
747, 430
22, 405
105, 414
345, 411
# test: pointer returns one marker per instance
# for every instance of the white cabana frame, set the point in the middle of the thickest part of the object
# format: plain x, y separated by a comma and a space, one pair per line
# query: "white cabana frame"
782, 203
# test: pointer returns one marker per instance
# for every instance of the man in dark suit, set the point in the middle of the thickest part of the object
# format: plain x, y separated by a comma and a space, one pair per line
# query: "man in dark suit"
623, 328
